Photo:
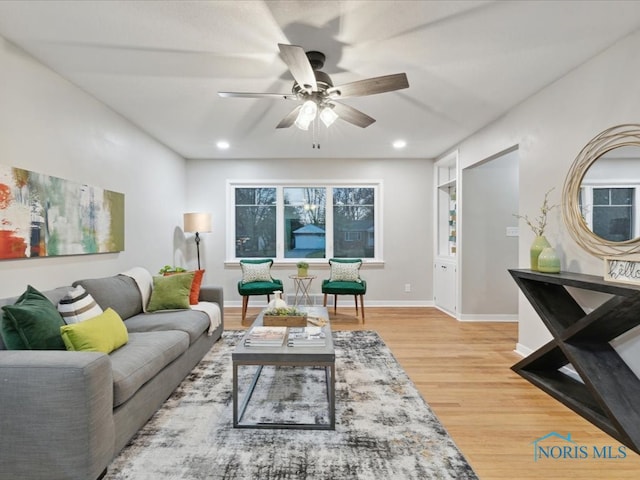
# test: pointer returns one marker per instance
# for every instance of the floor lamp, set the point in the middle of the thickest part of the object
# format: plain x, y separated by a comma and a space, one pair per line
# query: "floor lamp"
198, 223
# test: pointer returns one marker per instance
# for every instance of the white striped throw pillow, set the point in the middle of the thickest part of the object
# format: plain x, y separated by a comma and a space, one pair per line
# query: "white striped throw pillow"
78, 305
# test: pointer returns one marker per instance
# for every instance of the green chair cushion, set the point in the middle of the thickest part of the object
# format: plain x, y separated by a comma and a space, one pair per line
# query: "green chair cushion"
259, 288
344, 288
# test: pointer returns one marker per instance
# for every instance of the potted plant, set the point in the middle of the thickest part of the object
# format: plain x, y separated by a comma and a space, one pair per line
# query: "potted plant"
538, 226
303, 268
168, 270
284, 317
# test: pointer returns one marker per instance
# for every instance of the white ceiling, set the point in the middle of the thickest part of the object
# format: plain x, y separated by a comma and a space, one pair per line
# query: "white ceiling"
161, 63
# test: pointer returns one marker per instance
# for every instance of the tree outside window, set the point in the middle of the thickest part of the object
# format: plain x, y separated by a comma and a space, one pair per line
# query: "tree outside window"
354, 222
255, 222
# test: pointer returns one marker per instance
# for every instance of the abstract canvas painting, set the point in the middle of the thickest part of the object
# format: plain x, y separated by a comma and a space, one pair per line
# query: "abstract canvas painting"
44, 216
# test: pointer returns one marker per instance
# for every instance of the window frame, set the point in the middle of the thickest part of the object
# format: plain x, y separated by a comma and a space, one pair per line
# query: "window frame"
280, 185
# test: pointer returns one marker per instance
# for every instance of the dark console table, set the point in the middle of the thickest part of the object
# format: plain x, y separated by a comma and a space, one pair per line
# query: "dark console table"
610, 395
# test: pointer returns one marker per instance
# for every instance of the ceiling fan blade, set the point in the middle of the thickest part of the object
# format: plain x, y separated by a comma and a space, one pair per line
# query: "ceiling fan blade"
351, 115
370, 86
298, 63
284, 96
290, 119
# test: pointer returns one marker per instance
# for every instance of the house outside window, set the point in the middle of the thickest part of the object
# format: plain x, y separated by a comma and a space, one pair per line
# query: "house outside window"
352, 236
291, 221
304, 222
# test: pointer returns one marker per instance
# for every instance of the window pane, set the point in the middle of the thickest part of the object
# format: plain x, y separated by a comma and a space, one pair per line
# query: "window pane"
612, 223
601, 196
304, 222
621, 196
353, 222
255, 222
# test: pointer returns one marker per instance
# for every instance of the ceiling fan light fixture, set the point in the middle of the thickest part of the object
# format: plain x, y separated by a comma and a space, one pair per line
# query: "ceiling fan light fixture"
328, 116
307, 115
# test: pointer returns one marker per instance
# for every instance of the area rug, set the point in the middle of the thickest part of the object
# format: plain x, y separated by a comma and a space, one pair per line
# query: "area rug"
384, 428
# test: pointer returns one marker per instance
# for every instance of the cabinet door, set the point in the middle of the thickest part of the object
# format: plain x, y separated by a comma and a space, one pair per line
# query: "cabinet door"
444, 288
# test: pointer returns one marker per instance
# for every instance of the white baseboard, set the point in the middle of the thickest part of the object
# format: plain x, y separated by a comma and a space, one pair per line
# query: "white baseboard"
488, 318
316, 299
522, 350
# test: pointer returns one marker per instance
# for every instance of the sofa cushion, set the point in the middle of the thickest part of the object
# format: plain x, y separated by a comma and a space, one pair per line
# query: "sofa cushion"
119, 292
32, 323
170, 292
54, 295
78, 305
194, 294
142, 358
104, 333
193, 322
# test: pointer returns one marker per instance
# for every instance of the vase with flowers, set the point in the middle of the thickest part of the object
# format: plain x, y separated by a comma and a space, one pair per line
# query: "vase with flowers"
551, 262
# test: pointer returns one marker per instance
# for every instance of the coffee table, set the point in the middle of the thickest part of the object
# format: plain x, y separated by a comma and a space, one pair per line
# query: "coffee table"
286, 356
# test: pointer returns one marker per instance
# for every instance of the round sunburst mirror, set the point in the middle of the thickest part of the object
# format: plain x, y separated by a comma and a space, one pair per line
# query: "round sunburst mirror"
601, 207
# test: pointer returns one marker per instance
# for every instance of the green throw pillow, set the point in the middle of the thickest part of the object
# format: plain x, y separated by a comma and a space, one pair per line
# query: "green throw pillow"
171, 293
32, 323
104, 333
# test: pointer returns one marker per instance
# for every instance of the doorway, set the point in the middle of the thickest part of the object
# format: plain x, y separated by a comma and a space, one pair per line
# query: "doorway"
489, 240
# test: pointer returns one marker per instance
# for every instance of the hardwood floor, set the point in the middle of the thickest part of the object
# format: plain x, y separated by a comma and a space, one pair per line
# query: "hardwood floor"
463, 372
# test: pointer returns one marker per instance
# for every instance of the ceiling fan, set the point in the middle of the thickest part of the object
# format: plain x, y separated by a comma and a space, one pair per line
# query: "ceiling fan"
317, 94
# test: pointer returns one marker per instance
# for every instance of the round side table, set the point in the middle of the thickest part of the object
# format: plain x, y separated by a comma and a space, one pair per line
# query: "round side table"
302, 285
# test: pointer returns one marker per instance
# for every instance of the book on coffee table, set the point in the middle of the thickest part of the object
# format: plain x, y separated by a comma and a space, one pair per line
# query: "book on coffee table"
261, 336
306, 337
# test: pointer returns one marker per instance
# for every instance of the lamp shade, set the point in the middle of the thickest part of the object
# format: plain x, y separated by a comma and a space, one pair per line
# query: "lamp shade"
328, 116
197, 222
307, 115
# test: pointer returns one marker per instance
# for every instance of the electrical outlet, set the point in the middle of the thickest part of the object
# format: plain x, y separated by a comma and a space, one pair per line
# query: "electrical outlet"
407, 288
513, 232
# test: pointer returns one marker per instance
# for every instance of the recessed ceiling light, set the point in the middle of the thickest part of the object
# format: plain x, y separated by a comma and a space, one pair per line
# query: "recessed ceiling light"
398, 144
222, 144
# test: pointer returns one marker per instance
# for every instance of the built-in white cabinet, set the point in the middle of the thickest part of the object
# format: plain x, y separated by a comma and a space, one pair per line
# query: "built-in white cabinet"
445, 278
445, 291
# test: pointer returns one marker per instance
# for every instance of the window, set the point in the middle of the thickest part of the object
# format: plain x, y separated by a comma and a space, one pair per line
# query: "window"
352, 236
609, 211
304, 222
293, 221
255, 221
353, 220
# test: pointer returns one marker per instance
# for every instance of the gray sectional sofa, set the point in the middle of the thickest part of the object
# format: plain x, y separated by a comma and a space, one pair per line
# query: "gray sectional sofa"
65, 415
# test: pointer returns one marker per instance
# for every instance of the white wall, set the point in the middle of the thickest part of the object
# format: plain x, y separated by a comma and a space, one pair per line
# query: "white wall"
487, 290
49, 126
407, 217
550, 129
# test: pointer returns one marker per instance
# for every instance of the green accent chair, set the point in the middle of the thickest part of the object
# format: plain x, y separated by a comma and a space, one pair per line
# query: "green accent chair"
257, 280
345, 280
